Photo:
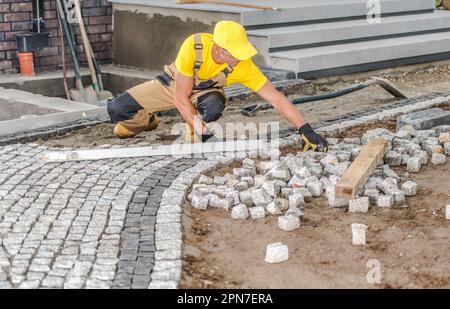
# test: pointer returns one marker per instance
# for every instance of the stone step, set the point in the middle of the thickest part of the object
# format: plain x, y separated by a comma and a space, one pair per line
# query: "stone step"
313, 35
363, 56
18, 97
308, 11
292, 11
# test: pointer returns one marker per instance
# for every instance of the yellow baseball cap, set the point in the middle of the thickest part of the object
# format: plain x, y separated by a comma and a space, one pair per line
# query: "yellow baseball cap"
231, 36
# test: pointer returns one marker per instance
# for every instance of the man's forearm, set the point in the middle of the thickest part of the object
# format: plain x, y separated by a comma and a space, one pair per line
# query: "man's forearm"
288, 110
310, 139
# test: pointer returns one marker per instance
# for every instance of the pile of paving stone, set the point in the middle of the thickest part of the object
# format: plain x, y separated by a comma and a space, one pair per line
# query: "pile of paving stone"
282, 187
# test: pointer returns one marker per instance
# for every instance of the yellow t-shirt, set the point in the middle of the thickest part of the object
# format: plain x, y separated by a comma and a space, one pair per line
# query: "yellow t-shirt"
245, 73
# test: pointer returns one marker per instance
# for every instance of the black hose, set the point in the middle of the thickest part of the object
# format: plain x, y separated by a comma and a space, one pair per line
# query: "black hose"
251, 110
330, 95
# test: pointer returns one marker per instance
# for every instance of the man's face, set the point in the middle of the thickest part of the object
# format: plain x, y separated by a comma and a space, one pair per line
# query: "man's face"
226, 56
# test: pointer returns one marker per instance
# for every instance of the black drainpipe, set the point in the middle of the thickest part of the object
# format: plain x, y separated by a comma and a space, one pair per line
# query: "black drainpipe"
38, 16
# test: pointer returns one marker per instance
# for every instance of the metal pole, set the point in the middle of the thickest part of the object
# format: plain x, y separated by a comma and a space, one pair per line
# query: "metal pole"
38, 16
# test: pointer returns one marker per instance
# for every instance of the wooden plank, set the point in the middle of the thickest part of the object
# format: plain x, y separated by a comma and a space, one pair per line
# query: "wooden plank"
157, 150
355, 177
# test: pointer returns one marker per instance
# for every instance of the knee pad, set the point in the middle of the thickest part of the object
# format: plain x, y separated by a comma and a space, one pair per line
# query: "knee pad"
122, 107
211, 105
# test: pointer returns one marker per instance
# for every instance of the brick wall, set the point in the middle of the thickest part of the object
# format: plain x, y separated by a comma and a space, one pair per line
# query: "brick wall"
16, 16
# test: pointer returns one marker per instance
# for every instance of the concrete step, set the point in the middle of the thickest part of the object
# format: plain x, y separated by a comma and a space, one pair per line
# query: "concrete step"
308, 11
292, 11
313, 35
363, 56
40, 101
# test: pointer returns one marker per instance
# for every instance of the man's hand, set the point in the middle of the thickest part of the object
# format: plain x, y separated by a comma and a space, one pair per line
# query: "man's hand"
182, 92
310, 139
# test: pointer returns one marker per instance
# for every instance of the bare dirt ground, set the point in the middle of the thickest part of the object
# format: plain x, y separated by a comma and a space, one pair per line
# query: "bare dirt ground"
409, 241
412, 80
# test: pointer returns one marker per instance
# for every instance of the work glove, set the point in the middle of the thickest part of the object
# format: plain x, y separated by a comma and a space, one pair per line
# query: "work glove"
208, 137
312, 140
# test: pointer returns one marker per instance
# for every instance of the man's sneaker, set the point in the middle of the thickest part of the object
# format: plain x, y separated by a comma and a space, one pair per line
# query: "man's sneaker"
122, 132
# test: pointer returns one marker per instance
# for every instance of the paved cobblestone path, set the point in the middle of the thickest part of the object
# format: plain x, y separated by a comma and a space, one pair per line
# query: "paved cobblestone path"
88, 224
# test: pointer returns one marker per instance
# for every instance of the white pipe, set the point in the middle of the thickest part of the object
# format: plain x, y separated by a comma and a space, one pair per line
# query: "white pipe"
156, 150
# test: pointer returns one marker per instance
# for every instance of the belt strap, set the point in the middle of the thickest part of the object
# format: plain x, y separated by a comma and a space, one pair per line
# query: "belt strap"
164, 78
227, 70
198, 53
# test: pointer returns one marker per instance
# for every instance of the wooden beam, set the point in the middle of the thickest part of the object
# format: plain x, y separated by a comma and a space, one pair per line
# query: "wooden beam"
157, 150
355, 177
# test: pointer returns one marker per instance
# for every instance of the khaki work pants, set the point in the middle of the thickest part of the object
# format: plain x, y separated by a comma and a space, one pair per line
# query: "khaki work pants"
153, 96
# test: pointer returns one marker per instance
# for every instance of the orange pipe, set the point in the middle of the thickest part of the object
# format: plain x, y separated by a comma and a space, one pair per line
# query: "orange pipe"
26, 64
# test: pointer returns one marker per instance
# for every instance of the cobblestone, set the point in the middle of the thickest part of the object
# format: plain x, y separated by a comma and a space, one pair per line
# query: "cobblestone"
53, 282
28, 284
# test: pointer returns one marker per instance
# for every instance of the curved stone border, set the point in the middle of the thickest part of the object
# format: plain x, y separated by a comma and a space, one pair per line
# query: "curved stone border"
137, 257
168, 230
